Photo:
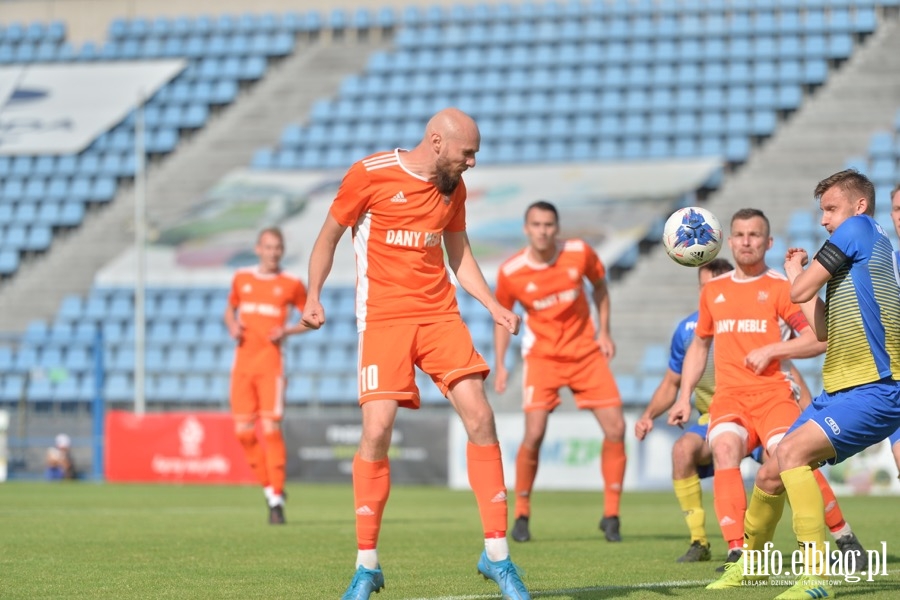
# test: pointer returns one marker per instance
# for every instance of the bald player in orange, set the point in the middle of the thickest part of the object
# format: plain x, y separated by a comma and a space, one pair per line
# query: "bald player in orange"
562, 348
402, 207
261, 298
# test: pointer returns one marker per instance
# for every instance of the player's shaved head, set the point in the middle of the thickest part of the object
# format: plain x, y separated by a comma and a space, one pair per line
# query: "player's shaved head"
452, 123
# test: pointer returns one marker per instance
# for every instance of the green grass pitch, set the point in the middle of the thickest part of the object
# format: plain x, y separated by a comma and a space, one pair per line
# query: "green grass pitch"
93, 541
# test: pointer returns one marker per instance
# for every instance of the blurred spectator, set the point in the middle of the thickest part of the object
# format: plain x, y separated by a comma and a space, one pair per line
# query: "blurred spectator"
59, 459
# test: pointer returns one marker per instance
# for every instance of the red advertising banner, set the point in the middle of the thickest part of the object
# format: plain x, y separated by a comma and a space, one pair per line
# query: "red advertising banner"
176, 447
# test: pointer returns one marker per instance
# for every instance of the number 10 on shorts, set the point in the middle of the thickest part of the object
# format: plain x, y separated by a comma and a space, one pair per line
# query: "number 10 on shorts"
368, 378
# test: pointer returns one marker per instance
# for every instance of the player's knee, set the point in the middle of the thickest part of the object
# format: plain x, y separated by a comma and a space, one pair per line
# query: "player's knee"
246, 436
683, 455
726, 455
789, 454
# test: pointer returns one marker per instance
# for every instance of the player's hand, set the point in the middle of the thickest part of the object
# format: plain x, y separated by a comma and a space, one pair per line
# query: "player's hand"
679, 414
236, 331
313, 314
500, 377
797, 254
507, 319
276, 334
794, 261
643, 426
758, 359
607, 345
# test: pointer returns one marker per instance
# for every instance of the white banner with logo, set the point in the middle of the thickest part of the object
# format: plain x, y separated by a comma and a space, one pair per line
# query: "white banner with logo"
62, 108
570, 454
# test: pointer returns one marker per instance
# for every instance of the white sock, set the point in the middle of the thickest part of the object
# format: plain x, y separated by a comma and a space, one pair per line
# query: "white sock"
496, 548
845, 530
269, 491
367, 558
276, 500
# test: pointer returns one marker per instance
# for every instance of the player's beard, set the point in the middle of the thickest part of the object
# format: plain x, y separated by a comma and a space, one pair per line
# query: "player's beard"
445, 180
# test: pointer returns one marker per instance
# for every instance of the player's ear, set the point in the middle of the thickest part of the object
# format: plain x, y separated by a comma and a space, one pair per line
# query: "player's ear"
862, 206
436, 141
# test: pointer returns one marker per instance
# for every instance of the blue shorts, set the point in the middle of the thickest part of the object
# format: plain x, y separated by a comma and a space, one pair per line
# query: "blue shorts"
894, 437
855, 418
704, 471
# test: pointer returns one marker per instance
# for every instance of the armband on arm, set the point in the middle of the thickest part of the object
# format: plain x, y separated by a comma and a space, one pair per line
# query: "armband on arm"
831, 257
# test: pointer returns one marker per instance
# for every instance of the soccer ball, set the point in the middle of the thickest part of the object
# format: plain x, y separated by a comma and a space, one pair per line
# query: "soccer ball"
692, 236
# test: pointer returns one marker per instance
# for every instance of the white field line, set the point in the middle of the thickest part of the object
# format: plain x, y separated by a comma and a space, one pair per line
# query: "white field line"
608, 588
599, 588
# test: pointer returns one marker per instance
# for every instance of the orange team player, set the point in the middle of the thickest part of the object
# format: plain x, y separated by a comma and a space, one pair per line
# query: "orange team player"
561, 348
744, 311
402, 205
257, 311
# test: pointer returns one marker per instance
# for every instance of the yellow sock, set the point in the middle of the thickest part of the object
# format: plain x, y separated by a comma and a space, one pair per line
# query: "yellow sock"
763, 514
690, 498
809, 511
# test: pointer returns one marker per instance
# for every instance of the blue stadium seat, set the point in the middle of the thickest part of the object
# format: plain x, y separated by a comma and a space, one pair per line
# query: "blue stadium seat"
40, 390
205, 359
196, 389
334, 389
12, 386
629, 389
881, 145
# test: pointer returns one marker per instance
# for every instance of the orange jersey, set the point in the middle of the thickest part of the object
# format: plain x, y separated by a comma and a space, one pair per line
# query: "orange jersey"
263, 302
557, 314
398, 219
743, 315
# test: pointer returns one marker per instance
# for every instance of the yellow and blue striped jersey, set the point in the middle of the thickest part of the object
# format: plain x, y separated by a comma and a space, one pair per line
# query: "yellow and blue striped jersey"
862, 307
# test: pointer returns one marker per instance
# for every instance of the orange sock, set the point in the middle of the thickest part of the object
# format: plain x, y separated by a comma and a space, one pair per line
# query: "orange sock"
254, 453
612, 467
371, 488
485, 469
834, 518
526, 470
275, 459
730, 501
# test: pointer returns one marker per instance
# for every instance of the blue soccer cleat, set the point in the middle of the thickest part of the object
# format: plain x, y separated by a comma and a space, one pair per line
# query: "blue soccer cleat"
505, 575
365, 581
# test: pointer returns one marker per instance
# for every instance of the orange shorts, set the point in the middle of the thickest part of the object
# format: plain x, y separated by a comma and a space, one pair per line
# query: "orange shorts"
756, 417
257, 395
590, 379
388, 357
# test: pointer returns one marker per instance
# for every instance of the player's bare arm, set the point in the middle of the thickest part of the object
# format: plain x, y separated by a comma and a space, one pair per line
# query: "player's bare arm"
804, 345
470, 277
805, 286
691, 372
662, 400
321, 260
501, 343
600, 295
233, 323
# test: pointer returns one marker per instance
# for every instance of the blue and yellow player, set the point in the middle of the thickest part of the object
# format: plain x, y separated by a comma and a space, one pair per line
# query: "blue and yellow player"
860, 406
